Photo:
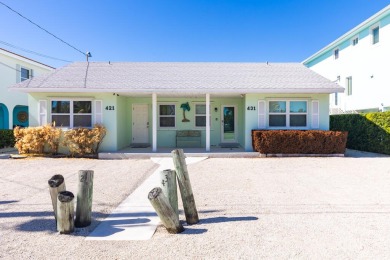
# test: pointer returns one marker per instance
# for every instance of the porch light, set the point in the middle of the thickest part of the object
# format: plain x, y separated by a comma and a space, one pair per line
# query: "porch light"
216, 109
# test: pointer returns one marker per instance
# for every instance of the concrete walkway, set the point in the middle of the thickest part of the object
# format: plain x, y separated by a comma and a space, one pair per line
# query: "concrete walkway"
135, 218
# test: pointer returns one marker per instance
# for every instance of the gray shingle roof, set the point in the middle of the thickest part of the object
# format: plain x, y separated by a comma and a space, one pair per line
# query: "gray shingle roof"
196, 77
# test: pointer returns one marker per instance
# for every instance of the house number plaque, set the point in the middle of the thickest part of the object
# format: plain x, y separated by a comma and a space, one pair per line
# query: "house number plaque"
110, 107
251, 108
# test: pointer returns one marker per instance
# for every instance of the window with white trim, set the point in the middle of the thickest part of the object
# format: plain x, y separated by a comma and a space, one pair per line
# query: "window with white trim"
200, 115
336, 53
24, 74
349, 85
355, 41
167, 115
287, 113
71, 113
375, 34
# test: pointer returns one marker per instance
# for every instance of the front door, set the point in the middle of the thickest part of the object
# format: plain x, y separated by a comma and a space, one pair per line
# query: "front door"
229, 127
140, 124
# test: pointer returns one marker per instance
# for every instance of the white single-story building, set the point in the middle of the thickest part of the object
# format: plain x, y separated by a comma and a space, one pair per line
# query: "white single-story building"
154, 102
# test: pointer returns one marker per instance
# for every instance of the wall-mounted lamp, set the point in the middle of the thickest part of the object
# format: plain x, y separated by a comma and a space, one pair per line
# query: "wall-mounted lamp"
216, 109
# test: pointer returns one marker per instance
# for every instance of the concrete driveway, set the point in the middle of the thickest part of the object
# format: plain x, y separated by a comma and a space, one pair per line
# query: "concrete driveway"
250, 208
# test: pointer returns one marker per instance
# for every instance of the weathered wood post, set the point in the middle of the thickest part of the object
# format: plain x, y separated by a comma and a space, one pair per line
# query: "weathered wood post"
65, 212
169, 188
56, 185
167, 214
84, 199
185, 187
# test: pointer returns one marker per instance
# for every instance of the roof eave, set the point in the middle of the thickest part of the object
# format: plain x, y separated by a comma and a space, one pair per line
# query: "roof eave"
373, 19
174, 90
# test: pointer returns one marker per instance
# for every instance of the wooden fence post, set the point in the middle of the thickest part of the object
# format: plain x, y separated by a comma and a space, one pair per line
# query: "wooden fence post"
56, 185
169, 188
65, 212
84, 199
185, 187
168, 216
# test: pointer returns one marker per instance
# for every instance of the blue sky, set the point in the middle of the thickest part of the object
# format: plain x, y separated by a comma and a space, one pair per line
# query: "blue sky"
180, 30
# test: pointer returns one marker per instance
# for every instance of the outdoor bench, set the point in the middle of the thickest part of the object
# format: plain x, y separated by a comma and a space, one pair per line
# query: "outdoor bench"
188, 138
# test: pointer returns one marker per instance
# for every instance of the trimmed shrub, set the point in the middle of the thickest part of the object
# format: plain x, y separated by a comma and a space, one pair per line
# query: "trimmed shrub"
367, 132
84, 141
7, 138
299, 141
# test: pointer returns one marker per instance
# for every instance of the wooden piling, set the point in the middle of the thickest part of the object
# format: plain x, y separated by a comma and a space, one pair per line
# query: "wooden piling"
168, 216
84, 199
169, 188
185, 187
56, 185
65, 212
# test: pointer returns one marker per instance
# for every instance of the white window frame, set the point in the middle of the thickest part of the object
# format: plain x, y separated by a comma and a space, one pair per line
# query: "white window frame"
348, 84
288, 113
29, 74
376, 26
159, 116
336, 53
355, 40
204, 115
71, 114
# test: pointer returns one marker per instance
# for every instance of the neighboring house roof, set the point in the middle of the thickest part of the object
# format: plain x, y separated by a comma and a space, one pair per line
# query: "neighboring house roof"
20, 57
367, 23
181, 77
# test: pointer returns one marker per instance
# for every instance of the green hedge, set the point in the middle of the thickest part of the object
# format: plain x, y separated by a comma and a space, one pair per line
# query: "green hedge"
299, 141
7, 138
366, 132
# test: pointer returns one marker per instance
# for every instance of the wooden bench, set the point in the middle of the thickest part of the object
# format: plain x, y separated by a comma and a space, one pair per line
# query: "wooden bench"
188, 138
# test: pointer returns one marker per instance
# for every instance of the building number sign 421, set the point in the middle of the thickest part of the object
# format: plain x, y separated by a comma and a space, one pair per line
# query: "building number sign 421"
251, 108
110, 107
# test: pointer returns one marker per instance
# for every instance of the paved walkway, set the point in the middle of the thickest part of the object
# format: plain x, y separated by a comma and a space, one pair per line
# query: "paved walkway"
135, 218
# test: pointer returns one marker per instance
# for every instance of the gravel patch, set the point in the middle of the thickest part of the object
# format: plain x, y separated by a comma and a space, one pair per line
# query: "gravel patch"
250, 208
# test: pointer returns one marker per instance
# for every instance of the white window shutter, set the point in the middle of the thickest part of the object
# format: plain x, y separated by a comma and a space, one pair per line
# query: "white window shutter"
18, 73
98, 112
32, 74
261, 115
42, 111
315, 114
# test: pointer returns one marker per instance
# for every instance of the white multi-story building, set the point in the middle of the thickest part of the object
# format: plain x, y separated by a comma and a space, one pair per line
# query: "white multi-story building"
360, 62
15, 68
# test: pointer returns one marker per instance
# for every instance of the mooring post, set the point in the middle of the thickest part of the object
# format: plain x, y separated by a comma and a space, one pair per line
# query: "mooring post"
167, 214
84, 199
169, 188
185, 187
65, 212
56, 185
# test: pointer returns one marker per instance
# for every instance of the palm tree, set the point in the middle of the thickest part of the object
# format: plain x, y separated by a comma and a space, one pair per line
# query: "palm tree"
185, 107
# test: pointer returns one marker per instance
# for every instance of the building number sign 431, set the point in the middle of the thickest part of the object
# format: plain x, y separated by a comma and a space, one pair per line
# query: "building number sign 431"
251, 108
110, 107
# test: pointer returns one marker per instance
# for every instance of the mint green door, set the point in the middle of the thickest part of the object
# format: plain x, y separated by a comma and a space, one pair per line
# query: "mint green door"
229, 124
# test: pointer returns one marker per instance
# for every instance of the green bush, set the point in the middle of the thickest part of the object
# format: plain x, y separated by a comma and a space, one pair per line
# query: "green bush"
366, 132
299, 141
7, 138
